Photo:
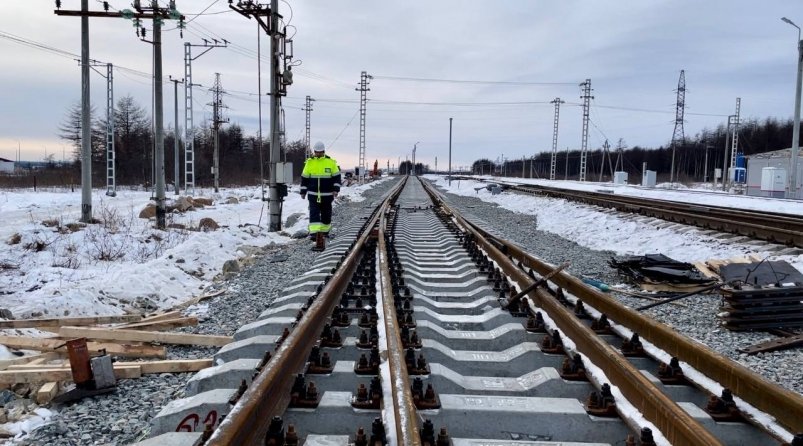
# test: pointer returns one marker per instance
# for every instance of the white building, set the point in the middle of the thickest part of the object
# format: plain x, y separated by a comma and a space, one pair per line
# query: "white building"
761, 166
6, 166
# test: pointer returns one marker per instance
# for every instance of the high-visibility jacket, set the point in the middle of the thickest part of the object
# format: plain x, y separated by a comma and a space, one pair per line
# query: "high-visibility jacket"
320, 177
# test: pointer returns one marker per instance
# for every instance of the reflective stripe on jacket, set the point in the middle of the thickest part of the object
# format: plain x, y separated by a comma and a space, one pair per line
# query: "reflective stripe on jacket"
320, 176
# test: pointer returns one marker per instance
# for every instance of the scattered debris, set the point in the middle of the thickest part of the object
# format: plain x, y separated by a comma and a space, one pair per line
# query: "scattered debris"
658, 269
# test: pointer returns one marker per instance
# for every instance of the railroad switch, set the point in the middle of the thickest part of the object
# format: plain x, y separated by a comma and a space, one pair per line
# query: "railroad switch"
552, 343
723, 408
319, 364
602, 325
304, 395
573, 369
602, 403
633, 347
535, 324
671, 373
424, 399
331, 338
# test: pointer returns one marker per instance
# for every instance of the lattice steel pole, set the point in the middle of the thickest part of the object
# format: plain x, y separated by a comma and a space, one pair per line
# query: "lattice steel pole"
557, 102
364, 80
586, 97
307, 141
678, 135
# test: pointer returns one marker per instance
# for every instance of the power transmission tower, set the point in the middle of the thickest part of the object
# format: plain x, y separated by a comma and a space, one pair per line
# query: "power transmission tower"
364, 80
605, 151
176, 138
307, 142
557, 102
620, 149
111, 184
217, 104
189, 129
280, 47
157, 14
586, 97
678, 135
735, 140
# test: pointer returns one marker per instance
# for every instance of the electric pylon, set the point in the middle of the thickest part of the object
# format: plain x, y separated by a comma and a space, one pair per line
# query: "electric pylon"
557, 102
364, 80
678, 136
586, 97
307, 142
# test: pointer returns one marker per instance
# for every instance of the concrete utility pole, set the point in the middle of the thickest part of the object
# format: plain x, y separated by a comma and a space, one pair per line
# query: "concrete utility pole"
725, 154
365, 78
415, 172
450, 151
157, 14
217, 104
307, 141
189, 128
586, 97
557, 102
279, 47
176, 170
796, 129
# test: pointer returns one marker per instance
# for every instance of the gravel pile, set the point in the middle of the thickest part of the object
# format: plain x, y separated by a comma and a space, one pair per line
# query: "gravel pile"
698, 320
124, 416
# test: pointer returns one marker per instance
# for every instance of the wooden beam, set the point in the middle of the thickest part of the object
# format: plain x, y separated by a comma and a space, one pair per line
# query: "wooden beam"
47, 392
59, 374
156, 317
145, 336
114, 349
68, 321
146, 367
160, 325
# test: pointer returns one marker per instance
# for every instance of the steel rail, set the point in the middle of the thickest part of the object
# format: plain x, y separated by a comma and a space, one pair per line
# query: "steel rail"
786, 406
404, 408
675, 424
268, 395
773, 228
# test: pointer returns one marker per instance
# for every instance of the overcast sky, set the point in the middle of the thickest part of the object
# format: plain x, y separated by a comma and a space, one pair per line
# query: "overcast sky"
632, 51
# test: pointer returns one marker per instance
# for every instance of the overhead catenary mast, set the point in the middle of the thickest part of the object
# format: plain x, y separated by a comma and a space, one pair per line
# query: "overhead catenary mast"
557, 102
586, 97
363, 89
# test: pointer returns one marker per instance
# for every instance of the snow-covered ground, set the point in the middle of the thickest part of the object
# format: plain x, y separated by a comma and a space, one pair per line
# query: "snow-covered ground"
609, 231
122, 263
698, 194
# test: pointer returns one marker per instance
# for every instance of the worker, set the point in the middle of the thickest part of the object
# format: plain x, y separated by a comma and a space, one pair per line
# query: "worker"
320, 179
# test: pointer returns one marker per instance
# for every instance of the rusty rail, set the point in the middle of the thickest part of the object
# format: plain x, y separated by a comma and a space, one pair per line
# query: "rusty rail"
786, 406
673, 422
404, 409
269, 393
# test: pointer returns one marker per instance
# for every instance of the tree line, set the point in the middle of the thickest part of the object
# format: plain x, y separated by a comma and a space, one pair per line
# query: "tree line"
754, 136
239, 153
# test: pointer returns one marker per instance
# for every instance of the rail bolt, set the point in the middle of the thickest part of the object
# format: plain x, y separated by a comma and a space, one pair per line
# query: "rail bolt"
428, 433
645, 437
443, 438
671, 373
275, 434
378, 432
633, 346
360, 439
602, 403
601, 325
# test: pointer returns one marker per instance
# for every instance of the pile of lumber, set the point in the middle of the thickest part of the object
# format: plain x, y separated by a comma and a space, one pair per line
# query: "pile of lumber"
128, 336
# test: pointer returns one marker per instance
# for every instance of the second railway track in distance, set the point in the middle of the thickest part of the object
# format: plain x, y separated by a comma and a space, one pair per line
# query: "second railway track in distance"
775, 227
417, 327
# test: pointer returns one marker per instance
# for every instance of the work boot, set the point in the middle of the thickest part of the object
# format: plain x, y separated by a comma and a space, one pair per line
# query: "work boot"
320, 242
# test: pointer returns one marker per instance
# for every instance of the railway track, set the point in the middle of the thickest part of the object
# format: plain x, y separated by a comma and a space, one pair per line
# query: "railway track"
417, 327
785, 229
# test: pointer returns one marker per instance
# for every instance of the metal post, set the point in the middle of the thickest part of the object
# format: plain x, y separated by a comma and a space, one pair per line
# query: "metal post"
307, 141
586, 97
189, 140
86, 135
566, 167
796, 129
364, 79
274, 198
735, 137
111, 183
176, 138
450, 151
725, 155
158, 112
557, 102
705, 166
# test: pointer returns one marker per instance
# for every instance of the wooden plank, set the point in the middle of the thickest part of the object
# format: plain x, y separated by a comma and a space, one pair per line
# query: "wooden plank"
59, 374
47, 392
146, 367
68, 321
114, 349
156, 317
160, 325
200, 298
145, 336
